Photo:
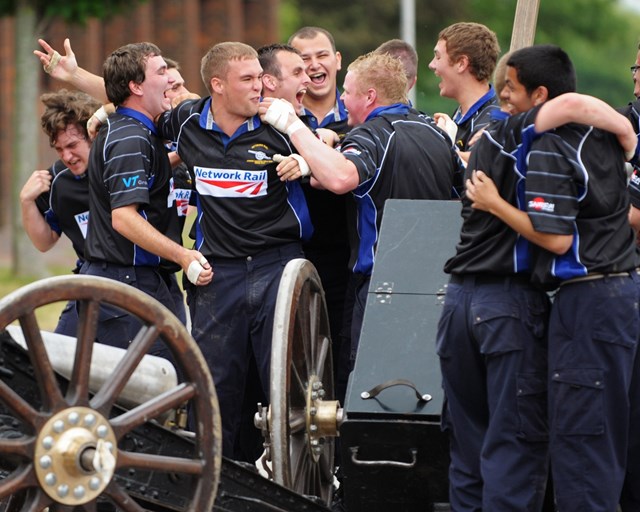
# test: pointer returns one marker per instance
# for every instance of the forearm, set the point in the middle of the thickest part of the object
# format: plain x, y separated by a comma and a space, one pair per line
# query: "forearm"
588, 110
89, 83
36, 227
128, 222
520, 222
328, 166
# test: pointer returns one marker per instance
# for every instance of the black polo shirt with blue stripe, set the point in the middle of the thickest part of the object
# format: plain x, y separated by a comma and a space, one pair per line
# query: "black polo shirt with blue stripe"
243, 207
128, 166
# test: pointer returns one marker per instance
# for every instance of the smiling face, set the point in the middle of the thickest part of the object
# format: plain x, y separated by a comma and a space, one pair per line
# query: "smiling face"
153, 90
322, 64
294, 80
444, 69
73, 149
515, 94
356, 102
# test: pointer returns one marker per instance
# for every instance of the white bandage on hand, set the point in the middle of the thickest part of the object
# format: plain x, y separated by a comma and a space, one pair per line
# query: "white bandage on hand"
277, 114
449, 126
195, 268
302, 163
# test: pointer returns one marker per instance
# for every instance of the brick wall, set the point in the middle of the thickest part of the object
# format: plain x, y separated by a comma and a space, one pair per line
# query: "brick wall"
183, 29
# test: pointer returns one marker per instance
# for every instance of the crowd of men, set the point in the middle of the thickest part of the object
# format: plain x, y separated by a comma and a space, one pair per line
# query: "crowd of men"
537, 391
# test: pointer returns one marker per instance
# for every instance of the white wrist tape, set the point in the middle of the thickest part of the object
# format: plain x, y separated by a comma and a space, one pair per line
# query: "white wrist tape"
277, 114
101, 115
628, 155
304, 166
195, 268
449, 126
295, 126
302, 163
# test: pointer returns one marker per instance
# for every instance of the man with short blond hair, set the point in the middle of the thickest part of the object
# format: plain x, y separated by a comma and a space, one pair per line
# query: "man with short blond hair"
249, 224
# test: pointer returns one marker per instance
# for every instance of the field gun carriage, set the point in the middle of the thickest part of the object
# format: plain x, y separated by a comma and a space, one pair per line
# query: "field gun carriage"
92, 428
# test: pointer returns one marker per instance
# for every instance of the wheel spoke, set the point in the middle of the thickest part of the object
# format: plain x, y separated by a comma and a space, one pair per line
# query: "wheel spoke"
152, 409
120, 497
323, 355
297, 421
106, 396
21, 479
18, 406
45, 376
78, 391
22, 447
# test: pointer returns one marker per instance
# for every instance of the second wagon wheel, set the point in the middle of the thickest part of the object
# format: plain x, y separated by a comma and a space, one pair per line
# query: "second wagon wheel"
303, 418
68, 452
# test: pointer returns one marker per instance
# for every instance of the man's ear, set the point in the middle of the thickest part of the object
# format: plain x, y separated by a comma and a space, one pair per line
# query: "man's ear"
136, 89
539, 95
216, 85
269, 81
339, 59
462, 64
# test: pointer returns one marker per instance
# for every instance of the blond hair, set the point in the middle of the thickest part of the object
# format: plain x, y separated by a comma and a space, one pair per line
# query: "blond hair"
215, 63
382, 72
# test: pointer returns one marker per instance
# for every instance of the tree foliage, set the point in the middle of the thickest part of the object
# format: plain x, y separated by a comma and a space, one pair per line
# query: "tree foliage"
78, 11
599, 35
31, 16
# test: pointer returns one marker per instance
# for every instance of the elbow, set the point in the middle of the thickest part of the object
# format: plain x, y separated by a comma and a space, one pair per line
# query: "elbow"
560, 245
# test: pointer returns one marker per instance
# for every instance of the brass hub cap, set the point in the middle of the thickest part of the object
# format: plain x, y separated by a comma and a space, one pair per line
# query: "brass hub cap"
321, 417
75, 456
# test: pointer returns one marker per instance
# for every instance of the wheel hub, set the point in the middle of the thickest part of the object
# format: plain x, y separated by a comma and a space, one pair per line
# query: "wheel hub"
75, 456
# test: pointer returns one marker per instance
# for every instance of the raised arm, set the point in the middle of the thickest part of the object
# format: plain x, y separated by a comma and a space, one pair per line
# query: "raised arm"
65, 69
583, 109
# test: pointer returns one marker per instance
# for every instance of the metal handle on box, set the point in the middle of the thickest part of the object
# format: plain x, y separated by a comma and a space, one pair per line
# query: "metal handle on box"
387, 463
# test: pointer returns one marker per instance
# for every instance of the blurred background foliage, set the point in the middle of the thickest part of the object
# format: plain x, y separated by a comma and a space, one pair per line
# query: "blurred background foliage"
601, 36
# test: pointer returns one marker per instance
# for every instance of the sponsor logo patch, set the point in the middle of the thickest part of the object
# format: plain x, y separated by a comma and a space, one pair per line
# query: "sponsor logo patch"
231, 182
259, 155
82, 219
540, 205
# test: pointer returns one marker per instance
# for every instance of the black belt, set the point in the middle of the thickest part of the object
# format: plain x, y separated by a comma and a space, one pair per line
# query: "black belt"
481, 279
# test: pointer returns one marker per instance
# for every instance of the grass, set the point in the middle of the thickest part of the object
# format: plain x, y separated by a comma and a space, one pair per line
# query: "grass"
47, 315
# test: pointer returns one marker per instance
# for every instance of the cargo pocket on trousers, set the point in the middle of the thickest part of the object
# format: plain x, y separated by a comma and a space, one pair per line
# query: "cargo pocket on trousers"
578, 402
532, 406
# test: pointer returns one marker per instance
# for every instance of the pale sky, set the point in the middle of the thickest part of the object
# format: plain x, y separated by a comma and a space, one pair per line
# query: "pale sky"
631, 4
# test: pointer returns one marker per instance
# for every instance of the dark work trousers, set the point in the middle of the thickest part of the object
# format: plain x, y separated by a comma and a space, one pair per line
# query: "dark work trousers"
68, 320
233, 319
593, 339
115, 326
177, 294
492, 346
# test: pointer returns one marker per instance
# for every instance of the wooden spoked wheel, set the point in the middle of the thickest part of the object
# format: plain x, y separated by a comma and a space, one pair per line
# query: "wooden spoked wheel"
303, 418
71, 448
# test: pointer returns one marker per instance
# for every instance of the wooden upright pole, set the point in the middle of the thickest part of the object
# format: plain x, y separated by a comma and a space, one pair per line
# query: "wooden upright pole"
524, 24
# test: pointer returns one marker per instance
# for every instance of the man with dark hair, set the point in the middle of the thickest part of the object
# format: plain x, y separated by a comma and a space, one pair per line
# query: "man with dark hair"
56, 201
284, 74
329, 247
130, 221
575, 212
465, 56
